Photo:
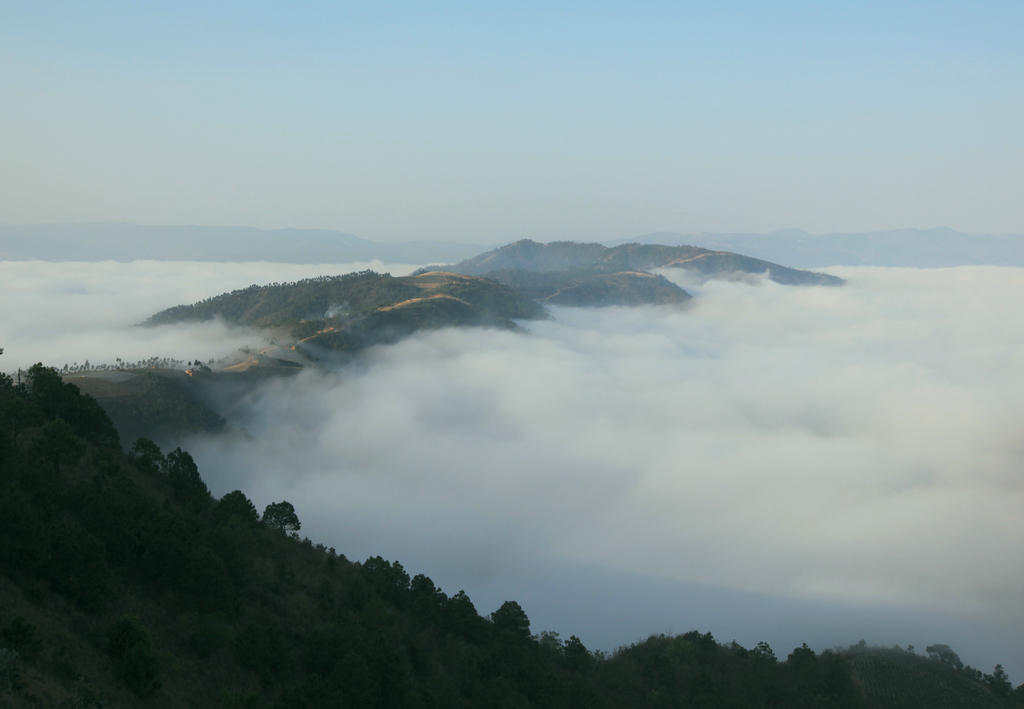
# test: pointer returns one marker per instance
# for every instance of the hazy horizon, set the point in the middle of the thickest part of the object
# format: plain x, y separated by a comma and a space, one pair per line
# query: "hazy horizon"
492, 123
125, 242
790, 230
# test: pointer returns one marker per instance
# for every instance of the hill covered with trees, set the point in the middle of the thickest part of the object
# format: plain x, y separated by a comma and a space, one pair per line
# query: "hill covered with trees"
575, 261
353, 295
350, 312
124, 583
329, 318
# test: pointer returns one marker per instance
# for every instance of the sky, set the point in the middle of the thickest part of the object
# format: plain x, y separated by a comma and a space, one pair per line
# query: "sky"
489, 122
770, 463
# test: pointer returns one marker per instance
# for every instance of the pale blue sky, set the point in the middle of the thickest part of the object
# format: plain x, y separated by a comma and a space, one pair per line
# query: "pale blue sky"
490, 122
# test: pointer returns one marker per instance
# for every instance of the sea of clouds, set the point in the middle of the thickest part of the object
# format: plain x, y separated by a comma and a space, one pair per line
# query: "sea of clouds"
63, 313
771, 462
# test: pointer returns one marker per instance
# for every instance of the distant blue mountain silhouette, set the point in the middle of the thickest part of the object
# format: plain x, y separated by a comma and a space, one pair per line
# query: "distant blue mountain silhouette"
121, 241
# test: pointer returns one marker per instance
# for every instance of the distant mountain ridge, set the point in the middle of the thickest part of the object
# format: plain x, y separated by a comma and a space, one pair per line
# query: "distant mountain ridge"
912, 248
123, 241
332, 316
572, 261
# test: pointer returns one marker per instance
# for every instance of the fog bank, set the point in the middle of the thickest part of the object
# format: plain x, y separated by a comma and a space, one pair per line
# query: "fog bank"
819, 464
61, 313
857, 447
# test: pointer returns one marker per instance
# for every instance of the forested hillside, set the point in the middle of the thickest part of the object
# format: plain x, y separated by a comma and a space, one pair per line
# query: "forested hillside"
568, 256
124, 583
582, 288
354, 294
344, 314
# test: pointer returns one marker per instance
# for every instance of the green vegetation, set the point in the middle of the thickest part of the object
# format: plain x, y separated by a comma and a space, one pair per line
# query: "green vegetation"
570, 257
280, 515
390, 324
902, 679
497, 300
348, 313
286, 303
345, 314
162, 404
581, 287
349, 298
124, 583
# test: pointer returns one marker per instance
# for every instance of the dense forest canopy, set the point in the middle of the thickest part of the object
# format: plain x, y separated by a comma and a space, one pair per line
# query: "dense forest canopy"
125, 583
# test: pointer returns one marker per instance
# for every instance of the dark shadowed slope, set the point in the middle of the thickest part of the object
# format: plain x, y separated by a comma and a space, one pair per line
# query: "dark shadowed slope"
162, 404
899, 678
125, 583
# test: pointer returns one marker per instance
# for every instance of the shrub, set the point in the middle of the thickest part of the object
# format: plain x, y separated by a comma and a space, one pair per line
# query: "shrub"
135, 664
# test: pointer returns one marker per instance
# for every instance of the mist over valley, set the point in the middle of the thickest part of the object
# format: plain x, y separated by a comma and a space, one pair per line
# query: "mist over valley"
767, 461
511, 355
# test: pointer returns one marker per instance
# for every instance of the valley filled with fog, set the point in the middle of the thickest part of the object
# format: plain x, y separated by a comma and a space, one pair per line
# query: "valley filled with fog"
783, 463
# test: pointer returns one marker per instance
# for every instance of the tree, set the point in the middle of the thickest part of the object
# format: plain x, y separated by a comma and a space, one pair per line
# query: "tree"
17, 413
945, 655
58, 444
461, 618
47, 389
77, 567
206, 580
236, 504
390, 580
135, 663
763, 651
8, 669
146, 456
577, 656
999, 682
262, 646
282, 516
183, 476
6, 381
511, 618
804, 663
19, 635
428, 601
800, 656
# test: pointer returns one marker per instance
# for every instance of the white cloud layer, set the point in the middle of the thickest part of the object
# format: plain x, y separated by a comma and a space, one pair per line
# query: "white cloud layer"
61, 313
849, 444
846, 448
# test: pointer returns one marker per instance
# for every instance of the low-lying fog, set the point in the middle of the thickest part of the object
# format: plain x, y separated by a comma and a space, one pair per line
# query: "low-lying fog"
778, 463
62, 313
